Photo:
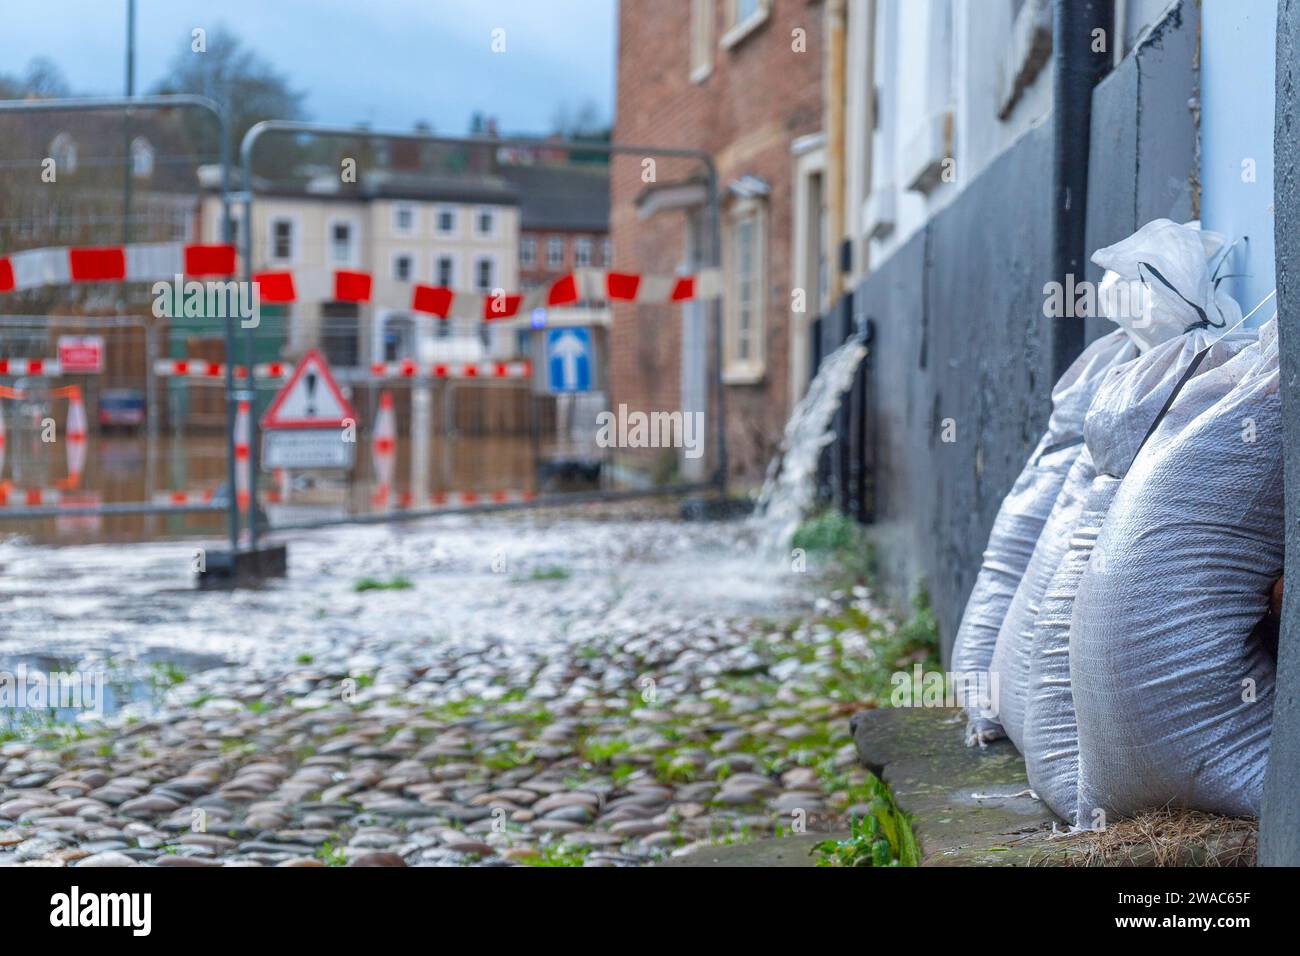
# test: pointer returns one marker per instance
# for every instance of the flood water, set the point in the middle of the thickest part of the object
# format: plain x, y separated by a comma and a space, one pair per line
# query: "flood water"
524, 581
125, 468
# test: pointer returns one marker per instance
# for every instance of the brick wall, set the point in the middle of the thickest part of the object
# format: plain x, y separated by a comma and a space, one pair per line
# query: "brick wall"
760, 96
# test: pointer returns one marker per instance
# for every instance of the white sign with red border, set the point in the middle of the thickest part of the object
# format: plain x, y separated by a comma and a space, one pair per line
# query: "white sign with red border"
307, 425
81, 353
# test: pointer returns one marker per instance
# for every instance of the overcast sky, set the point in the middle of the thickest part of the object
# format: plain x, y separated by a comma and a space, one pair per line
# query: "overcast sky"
387, 62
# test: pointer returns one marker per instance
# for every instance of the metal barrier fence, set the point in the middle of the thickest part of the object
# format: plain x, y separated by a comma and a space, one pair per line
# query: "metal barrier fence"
445, 432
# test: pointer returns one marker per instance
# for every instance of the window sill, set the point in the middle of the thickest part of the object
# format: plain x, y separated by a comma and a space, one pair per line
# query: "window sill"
926, 150
879, 212
740, 31
743, 375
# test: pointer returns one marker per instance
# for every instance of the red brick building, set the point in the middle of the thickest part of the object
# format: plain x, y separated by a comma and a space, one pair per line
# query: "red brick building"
741, 79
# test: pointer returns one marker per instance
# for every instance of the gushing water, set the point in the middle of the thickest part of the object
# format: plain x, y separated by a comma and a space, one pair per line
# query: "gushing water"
790, 484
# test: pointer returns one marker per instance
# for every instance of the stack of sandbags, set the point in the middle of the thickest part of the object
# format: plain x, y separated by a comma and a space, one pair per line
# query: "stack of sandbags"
1020, 521
1174, 695
1157, 287
1127, 405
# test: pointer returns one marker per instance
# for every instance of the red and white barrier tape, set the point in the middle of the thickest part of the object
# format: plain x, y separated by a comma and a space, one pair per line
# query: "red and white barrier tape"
31, 367
216, 371
154, 261
181, 497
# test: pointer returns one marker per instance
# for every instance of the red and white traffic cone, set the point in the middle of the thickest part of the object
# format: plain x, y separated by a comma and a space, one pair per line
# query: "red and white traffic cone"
383, 451
74, 433
243, 463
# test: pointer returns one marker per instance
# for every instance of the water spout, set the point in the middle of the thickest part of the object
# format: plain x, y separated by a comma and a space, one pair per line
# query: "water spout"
790, 486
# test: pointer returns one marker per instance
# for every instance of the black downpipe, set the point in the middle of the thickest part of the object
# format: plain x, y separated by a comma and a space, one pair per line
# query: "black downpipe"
1081, 57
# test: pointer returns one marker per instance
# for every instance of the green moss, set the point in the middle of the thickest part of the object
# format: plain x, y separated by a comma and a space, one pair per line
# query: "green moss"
376, 584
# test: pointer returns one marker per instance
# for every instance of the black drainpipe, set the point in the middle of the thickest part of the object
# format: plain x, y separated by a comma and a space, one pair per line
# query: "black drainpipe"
1077, 70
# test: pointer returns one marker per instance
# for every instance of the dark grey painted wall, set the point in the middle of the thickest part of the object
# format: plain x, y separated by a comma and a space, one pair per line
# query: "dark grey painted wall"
960, 331
1279, 842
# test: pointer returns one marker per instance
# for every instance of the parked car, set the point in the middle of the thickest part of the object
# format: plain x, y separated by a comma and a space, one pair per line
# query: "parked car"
121, 406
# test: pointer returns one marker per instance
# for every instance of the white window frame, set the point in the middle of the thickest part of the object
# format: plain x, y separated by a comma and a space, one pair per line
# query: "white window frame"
437, 272
528, 251
750, 369
607, 252
437, 220
582, 252
493, 218
551, 243
410, 256
930, 141
272, 222
738, 30
703, 22
354, 241
398, 209
479, 259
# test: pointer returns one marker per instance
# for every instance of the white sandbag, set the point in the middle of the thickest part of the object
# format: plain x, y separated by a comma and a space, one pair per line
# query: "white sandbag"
1158, 283
1128, 403
1019, 523
1163, 269
1174, 697
1010, 664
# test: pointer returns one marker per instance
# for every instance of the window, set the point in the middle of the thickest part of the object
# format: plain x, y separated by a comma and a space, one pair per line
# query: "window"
446, 221
701, 39
444, 271
403, 219
484, 273
555, 253
141, 158
282, 245
528, 251
341, 243
485, 222
340, 330
582, 253
744, 17
63, 150
403, 266
744, 330
606, 253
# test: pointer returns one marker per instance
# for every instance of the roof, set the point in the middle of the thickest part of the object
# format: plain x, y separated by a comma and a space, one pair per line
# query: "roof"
561, 197
461, 187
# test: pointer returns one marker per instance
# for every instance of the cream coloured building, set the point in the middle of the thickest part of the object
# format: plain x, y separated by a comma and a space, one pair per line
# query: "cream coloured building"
401, 228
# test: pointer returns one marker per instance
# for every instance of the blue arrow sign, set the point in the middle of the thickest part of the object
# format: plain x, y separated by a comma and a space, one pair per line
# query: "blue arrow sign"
568, 359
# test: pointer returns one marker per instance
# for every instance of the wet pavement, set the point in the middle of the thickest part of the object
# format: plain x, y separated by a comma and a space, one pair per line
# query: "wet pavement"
587, 686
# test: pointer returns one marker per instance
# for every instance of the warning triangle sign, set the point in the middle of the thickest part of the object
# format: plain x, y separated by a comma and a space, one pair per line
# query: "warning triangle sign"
310, 399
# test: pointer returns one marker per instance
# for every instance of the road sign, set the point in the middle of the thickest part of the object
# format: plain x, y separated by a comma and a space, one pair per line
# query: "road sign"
569, 359
307, 425
310, 399
81, 353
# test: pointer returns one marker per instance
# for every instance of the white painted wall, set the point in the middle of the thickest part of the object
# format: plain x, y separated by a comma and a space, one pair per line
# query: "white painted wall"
1238, 42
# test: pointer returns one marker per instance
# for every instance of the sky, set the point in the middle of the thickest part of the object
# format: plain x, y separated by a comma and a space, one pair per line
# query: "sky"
390, 63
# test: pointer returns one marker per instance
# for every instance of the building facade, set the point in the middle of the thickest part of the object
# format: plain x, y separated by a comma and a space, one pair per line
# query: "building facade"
741, 80
402, 229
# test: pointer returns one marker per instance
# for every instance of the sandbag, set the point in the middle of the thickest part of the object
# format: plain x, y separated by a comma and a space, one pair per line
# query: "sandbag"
1128, 403
1020, 521
1165, 268
1010, 665
1158, 283
1174, 697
